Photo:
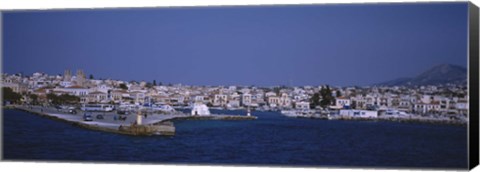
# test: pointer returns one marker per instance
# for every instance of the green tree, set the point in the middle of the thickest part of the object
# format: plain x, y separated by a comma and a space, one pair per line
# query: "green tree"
123, 86
91, 76
69, 99
276, 90
338, 93
11, 96
52, 98
314, 100
327, 97
154, 83
62, 99
149, 85
33, 98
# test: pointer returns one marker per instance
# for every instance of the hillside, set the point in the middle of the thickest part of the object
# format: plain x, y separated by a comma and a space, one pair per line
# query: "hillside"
440, 74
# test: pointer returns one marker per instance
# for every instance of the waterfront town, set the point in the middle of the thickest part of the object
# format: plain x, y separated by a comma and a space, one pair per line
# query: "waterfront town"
447, 102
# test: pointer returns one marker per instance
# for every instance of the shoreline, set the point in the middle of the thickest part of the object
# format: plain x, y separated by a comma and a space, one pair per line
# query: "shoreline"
165, 125
416, 120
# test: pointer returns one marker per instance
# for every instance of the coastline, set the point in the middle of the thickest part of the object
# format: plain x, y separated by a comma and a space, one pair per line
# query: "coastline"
419, 120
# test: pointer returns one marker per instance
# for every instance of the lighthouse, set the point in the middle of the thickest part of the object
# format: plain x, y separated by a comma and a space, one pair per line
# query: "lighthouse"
139, 117
248, 111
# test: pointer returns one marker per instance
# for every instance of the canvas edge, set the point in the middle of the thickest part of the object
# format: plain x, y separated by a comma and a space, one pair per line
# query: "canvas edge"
473, 82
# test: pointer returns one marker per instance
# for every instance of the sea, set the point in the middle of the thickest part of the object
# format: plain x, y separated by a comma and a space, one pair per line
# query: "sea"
271, 140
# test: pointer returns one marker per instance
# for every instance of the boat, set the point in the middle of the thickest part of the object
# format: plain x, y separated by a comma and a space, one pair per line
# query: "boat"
396, 113
306, 113
98, 107
163, 108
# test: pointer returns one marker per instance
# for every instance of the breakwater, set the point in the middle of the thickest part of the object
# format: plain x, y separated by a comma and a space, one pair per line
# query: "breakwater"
158, 129
213, 117
152, 125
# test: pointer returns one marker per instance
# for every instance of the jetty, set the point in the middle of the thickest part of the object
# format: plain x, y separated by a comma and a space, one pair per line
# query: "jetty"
133, 124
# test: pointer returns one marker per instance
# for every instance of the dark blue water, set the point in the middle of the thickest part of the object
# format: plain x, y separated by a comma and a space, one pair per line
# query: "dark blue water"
270, 140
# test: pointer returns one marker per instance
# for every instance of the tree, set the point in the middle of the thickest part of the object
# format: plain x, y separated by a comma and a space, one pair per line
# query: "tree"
314, 100
91, 76
34, 98
149, 85
52, 98
62, 99
11, 96
276, 90
123, 86
327, 97
154, 83
338, 93
69, 99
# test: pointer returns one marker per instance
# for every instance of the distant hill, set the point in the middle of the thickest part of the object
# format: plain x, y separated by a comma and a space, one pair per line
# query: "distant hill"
440, 74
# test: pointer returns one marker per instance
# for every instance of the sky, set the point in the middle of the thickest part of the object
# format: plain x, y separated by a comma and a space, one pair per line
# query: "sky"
342, 45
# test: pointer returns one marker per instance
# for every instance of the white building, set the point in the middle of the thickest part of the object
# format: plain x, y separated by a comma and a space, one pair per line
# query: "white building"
246, 99
76, 90
273, 101
220, 100
270, 94
426, 107
233, 104
341, 102
359, 113
200, 109
302, 105
285, 101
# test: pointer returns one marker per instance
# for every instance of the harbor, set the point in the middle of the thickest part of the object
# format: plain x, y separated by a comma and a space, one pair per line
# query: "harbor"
132, 124
227, 142
374, 86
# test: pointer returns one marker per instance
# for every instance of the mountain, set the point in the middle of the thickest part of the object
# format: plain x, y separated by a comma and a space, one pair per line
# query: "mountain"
398, 81
440, 74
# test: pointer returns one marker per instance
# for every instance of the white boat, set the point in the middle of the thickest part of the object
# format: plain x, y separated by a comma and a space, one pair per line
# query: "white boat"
299, 113
396, 113
97, 107
163, 108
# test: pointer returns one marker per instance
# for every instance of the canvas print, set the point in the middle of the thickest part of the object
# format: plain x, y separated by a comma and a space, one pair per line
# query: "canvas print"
332, 85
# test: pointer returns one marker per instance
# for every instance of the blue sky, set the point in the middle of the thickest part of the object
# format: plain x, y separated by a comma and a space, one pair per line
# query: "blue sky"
354, 44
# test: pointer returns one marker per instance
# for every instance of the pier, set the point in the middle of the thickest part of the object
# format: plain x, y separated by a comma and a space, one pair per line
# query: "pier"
153, 124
